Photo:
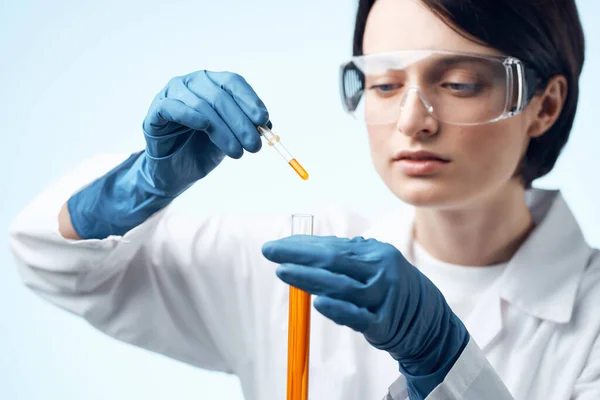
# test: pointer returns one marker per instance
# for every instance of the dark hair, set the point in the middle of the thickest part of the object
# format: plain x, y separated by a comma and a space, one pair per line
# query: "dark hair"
545, 35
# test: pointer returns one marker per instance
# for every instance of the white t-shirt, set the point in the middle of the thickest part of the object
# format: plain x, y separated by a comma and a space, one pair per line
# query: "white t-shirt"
461, 285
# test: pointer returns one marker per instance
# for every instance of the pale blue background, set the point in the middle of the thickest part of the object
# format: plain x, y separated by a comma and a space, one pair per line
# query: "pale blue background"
77, 78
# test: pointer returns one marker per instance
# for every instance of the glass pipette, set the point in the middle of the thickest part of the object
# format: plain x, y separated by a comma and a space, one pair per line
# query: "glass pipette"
274, 141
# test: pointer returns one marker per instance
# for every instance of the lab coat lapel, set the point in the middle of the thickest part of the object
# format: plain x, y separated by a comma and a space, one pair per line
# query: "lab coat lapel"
485, 321
544, 275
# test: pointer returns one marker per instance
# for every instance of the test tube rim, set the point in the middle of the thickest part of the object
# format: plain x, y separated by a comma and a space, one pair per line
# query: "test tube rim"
302, 215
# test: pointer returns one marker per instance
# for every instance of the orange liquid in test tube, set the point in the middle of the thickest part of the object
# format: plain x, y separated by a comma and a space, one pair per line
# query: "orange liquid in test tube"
298, 345
299, 326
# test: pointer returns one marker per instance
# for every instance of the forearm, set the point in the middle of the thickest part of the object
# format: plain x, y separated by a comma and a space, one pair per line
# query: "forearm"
113, 204
65, 225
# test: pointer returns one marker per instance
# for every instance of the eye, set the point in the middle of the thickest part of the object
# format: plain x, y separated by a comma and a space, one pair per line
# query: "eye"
385, 88
463, 89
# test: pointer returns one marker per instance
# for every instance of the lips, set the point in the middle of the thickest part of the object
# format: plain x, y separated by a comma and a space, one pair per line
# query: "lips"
420, 156
420, 163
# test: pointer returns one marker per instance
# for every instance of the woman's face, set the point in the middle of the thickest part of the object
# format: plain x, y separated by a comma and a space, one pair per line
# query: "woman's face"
482, 158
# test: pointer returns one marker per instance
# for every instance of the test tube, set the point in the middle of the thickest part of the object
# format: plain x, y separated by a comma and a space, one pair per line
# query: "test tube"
299, 325
274, 141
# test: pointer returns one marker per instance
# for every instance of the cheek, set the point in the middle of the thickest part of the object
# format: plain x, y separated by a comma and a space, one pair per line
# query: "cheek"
379, 146
492, 151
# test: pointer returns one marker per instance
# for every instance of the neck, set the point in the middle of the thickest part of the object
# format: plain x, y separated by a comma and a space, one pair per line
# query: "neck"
487, 231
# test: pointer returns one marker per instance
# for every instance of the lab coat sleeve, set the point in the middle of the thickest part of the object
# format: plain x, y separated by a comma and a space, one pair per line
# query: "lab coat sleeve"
471, 378
112, 283
193, 288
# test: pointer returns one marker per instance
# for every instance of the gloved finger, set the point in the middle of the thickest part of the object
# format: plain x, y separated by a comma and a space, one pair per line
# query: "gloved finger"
222, 135
344, 313
166, 111
243, 94
321, 282
339, 255
199, 85
201, 118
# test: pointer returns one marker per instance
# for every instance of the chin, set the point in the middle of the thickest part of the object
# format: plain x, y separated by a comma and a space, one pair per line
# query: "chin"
427, 193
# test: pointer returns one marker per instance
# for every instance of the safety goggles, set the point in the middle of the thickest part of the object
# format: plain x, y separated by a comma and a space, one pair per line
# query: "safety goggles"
455, 88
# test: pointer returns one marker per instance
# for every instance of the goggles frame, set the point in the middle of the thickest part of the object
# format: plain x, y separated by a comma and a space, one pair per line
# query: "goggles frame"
519, 76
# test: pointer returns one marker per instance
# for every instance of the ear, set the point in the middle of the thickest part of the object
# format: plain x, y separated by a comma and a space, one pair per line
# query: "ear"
547, 106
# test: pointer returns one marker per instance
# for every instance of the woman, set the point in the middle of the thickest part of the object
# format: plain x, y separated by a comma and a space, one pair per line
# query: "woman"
465, 105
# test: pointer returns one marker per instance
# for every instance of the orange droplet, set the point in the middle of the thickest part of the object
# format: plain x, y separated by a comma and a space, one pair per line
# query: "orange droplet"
298, 168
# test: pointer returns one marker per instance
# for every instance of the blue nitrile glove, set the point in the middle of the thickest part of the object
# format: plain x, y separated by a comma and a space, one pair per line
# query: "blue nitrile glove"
370, 287
192, 124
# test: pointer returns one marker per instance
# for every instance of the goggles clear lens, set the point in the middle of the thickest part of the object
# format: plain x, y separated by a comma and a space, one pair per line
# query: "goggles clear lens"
456, 88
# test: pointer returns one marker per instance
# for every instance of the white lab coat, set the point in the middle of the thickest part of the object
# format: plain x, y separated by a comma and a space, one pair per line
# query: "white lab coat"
198, 289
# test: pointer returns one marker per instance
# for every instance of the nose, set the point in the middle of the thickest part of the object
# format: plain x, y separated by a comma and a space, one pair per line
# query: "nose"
415, 118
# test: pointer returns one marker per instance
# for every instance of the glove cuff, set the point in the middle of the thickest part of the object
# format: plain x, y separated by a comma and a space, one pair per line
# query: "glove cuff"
428, 372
